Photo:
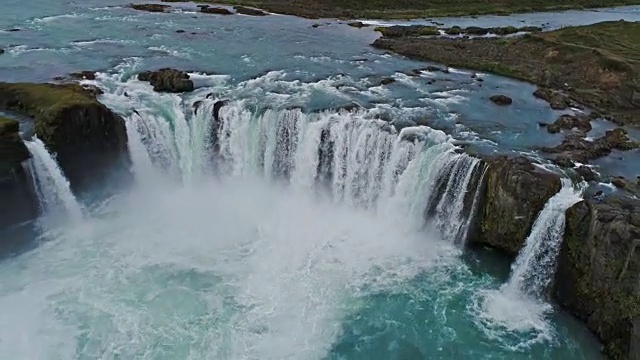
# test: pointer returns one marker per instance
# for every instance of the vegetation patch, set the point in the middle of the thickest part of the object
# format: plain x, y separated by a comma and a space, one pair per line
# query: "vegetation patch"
596, 65
405, 9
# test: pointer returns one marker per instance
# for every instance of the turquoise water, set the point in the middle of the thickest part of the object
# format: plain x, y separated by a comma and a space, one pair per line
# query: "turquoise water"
240, 267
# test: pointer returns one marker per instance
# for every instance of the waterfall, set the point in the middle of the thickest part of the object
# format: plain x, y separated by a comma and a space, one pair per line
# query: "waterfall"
535, 265
350, 156
452, 207
50, 183
519, 305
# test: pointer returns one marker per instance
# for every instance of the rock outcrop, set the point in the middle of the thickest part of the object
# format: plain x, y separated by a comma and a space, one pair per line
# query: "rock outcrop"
89, 139
598, 276
501, 100
17, 204
556, 99
581, 150
150, 7
168, 80
249, 11
215, 10
515, 192
568, 122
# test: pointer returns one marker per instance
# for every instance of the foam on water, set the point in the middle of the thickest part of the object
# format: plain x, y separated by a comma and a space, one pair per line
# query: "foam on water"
51, 186
520, 304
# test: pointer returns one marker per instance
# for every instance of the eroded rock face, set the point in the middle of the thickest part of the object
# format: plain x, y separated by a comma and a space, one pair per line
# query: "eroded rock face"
16, 204
168, 80
515, 192
598, 276
89, 140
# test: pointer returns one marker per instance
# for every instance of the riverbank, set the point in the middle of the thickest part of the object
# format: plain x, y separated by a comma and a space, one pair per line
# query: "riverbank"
595, 65
407, 9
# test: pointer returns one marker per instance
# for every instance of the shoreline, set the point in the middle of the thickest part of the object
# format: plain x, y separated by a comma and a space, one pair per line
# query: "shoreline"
361, 9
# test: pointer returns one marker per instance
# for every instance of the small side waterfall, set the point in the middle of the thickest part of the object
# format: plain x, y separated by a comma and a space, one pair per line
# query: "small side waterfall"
519, 305
50, 183
534, 267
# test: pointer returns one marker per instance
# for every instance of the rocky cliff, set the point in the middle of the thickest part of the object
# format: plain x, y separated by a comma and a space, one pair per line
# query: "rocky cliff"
515, 190
598, 276
17, 204
88, 138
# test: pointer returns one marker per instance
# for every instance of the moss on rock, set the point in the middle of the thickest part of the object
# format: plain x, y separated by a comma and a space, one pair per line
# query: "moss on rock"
86, 136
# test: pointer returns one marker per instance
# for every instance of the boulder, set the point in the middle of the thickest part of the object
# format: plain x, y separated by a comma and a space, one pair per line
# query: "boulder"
387, 81
1, 51
586, 173
598, 275
249, 11
150, 7
357, 24
89, 140
515, 191
168, 80
580, 150
501, 100
568, 122
619, 183
216, 10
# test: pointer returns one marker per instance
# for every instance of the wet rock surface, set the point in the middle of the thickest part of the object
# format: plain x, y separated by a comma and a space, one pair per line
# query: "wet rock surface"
515, 192
168, 80
89, 140
598, 276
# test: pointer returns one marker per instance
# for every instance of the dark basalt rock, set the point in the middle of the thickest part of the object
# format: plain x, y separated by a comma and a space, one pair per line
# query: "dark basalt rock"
1, 51
586, 173
89, 140
249, 11
357, 24
168, 80
18, 204
501, 100
556, 99
86, 75
216, 10
515, 191
598, 275
402, 31
150, 7
568, 122
619, 183
580, 150
387, 81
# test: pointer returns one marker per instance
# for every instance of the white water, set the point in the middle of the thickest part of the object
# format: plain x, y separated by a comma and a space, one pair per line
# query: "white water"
50, 183
535, 265
520, 304
264, 260
349, 156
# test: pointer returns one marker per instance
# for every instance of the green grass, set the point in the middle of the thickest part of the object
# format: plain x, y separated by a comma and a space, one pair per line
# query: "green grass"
8, 126
402, 9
